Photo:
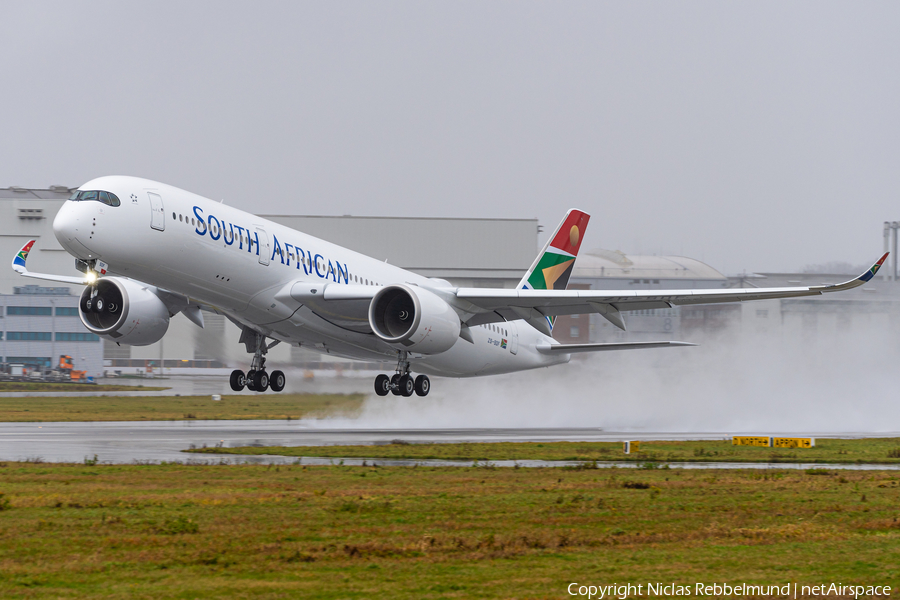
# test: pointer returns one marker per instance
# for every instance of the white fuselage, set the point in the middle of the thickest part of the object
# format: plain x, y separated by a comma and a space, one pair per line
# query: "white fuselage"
238, 263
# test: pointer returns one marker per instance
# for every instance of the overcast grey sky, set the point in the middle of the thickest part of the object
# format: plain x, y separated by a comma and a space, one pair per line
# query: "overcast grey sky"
751, 135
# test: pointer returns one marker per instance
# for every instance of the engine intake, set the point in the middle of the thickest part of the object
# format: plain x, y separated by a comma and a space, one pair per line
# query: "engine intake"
124, 311
414, 319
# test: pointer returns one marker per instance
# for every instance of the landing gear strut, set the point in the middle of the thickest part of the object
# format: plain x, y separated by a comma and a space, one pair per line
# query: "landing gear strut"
256, 378
402, 382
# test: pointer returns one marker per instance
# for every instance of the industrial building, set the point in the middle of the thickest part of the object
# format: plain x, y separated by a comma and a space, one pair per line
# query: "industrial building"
40, 324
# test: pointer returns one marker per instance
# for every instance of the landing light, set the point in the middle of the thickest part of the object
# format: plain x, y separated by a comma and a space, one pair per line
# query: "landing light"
91, 277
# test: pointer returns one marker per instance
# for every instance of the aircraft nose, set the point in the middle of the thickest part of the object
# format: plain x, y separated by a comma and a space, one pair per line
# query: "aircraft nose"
65, 225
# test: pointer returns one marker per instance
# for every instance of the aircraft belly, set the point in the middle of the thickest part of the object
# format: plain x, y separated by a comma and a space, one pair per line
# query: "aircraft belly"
465, 359
347, 314
303, 326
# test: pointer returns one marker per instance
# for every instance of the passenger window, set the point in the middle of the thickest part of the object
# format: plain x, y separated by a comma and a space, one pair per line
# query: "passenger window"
180, 217
173, 216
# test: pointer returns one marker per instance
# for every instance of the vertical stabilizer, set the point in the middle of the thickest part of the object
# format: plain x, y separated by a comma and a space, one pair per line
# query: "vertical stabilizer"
553, 266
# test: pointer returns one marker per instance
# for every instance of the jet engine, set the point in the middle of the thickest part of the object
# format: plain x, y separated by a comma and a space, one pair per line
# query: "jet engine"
414, 319
124, 311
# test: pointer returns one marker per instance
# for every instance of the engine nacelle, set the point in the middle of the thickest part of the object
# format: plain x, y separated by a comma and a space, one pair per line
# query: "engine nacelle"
414, 319
124, 311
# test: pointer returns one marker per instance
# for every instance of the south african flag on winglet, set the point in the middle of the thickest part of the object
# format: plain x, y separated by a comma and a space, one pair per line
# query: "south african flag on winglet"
871, 272
22, 256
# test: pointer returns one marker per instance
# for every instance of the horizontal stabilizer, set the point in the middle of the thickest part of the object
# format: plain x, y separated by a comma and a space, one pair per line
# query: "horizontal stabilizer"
572, 348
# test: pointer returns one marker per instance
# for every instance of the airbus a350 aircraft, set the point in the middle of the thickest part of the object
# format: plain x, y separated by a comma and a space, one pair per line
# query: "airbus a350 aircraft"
149, 251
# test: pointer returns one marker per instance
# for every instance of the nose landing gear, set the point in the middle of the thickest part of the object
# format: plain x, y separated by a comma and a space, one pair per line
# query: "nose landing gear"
256, 378
402, 382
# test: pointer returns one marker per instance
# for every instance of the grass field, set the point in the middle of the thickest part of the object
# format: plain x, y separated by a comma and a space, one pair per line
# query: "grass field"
41, 386
876, 450
161, 408
192, 531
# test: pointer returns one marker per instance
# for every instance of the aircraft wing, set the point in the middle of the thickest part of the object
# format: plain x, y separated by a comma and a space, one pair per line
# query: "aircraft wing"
18, 265
491, 305
174, 302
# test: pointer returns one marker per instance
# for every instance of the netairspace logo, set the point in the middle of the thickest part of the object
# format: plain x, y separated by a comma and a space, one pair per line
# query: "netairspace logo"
626, 590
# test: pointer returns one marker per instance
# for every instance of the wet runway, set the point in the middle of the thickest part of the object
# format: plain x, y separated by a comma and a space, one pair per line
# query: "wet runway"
127, 442
323, 382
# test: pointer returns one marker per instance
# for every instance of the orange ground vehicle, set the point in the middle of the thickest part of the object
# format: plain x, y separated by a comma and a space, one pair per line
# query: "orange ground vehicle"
66, 365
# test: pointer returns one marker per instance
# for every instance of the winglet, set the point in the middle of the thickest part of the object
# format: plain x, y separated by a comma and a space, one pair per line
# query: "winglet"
871, 272
18, 263
849, 285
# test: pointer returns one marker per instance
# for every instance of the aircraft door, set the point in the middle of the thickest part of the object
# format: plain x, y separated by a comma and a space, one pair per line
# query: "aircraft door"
264, 248
157, 212
513, 338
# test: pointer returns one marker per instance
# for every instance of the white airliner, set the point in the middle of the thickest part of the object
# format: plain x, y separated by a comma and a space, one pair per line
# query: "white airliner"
149, 251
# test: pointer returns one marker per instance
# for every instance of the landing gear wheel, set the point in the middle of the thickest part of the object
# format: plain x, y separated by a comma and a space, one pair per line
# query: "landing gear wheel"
250, 375
382, 385
407, 386
238, 380
395, 384
86, 302
423, 385
260, 381
276, 381
98, 305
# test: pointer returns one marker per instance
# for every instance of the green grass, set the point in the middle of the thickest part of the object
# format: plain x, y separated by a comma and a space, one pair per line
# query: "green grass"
161, 408
42, 386
874, 450
243, 531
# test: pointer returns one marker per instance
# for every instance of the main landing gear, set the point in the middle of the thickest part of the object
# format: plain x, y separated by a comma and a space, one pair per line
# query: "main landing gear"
402, 382
257, 379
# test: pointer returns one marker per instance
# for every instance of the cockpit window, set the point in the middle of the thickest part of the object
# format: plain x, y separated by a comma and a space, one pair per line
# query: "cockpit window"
104, 197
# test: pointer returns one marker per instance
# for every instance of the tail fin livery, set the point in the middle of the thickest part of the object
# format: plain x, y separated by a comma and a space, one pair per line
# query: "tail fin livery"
553, 266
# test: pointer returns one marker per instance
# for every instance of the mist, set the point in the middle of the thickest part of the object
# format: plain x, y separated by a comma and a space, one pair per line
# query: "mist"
737, 382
